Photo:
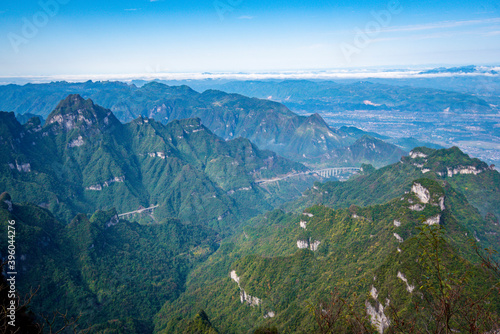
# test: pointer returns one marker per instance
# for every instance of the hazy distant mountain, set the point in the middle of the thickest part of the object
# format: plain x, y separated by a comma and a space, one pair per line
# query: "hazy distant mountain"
449, 110
268, 124
461, 70
358, 133
366, 150
407, 144
333, 96
24, 118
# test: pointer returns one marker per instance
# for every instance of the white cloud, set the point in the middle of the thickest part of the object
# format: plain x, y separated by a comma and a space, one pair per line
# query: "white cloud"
441, 25
429, 26
330, 74
436, 35
492, 33
246, 17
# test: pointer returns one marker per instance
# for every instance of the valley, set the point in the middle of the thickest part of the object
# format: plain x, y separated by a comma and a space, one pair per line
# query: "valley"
249, 167
437, 112
475, 134
166, 210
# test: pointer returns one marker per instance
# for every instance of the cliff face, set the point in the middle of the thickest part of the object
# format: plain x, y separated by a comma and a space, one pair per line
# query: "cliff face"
445, 162
76, 113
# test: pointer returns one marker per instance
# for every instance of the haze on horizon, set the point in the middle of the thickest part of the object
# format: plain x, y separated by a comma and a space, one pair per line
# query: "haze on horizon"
72, 37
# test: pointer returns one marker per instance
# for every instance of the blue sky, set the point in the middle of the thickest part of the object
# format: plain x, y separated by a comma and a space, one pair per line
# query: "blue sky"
71, 37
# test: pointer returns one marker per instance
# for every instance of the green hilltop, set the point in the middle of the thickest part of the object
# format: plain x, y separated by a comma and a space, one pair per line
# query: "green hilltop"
276, 271
473, 180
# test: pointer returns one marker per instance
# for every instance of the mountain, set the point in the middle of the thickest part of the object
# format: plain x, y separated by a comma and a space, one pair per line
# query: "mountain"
374, 253
368, 150
366, 95
24, 118
283, 267
147, 227
84, 159
358, 133
461, 70
404, 143
75, 113
269, 125
357, 243
407, 144
103, 268
444, 110
478, 184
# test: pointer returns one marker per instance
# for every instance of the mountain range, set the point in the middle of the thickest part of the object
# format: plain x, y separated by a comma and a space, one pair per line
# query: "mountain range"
83, 159
277, 270
176, 221
430, 110
323, 95
269, 125
461, 70
284, 265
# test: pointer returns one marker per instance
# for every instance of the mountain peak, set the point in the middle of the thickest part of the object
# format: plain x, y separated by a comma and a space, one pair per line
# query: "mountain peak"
316, 118
75, 98
317, 121
74, 112
72, 102
173, 90
445, 162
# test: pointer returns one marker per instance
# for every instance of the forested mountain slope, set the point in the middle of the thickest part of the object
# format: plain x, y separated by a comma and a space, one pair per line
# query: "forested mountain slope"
83, 159
283, 265
268, 124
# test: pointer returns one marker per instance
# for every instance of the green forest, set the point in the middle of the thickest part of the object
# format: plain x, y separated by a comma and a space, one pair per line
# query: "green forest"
163, 227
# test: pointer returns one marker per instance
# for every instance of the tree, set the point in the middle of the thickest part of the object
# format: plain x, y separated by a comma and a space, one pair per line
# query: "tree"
16, 318
21, 320
337, 315
444, 302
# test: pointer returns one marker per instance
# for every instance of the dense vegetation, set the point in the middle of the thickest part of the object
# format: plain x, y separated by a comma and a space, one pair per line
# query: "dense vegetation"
101, 267
398, 249
381, 185
268, 124
84, 159
360, 249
